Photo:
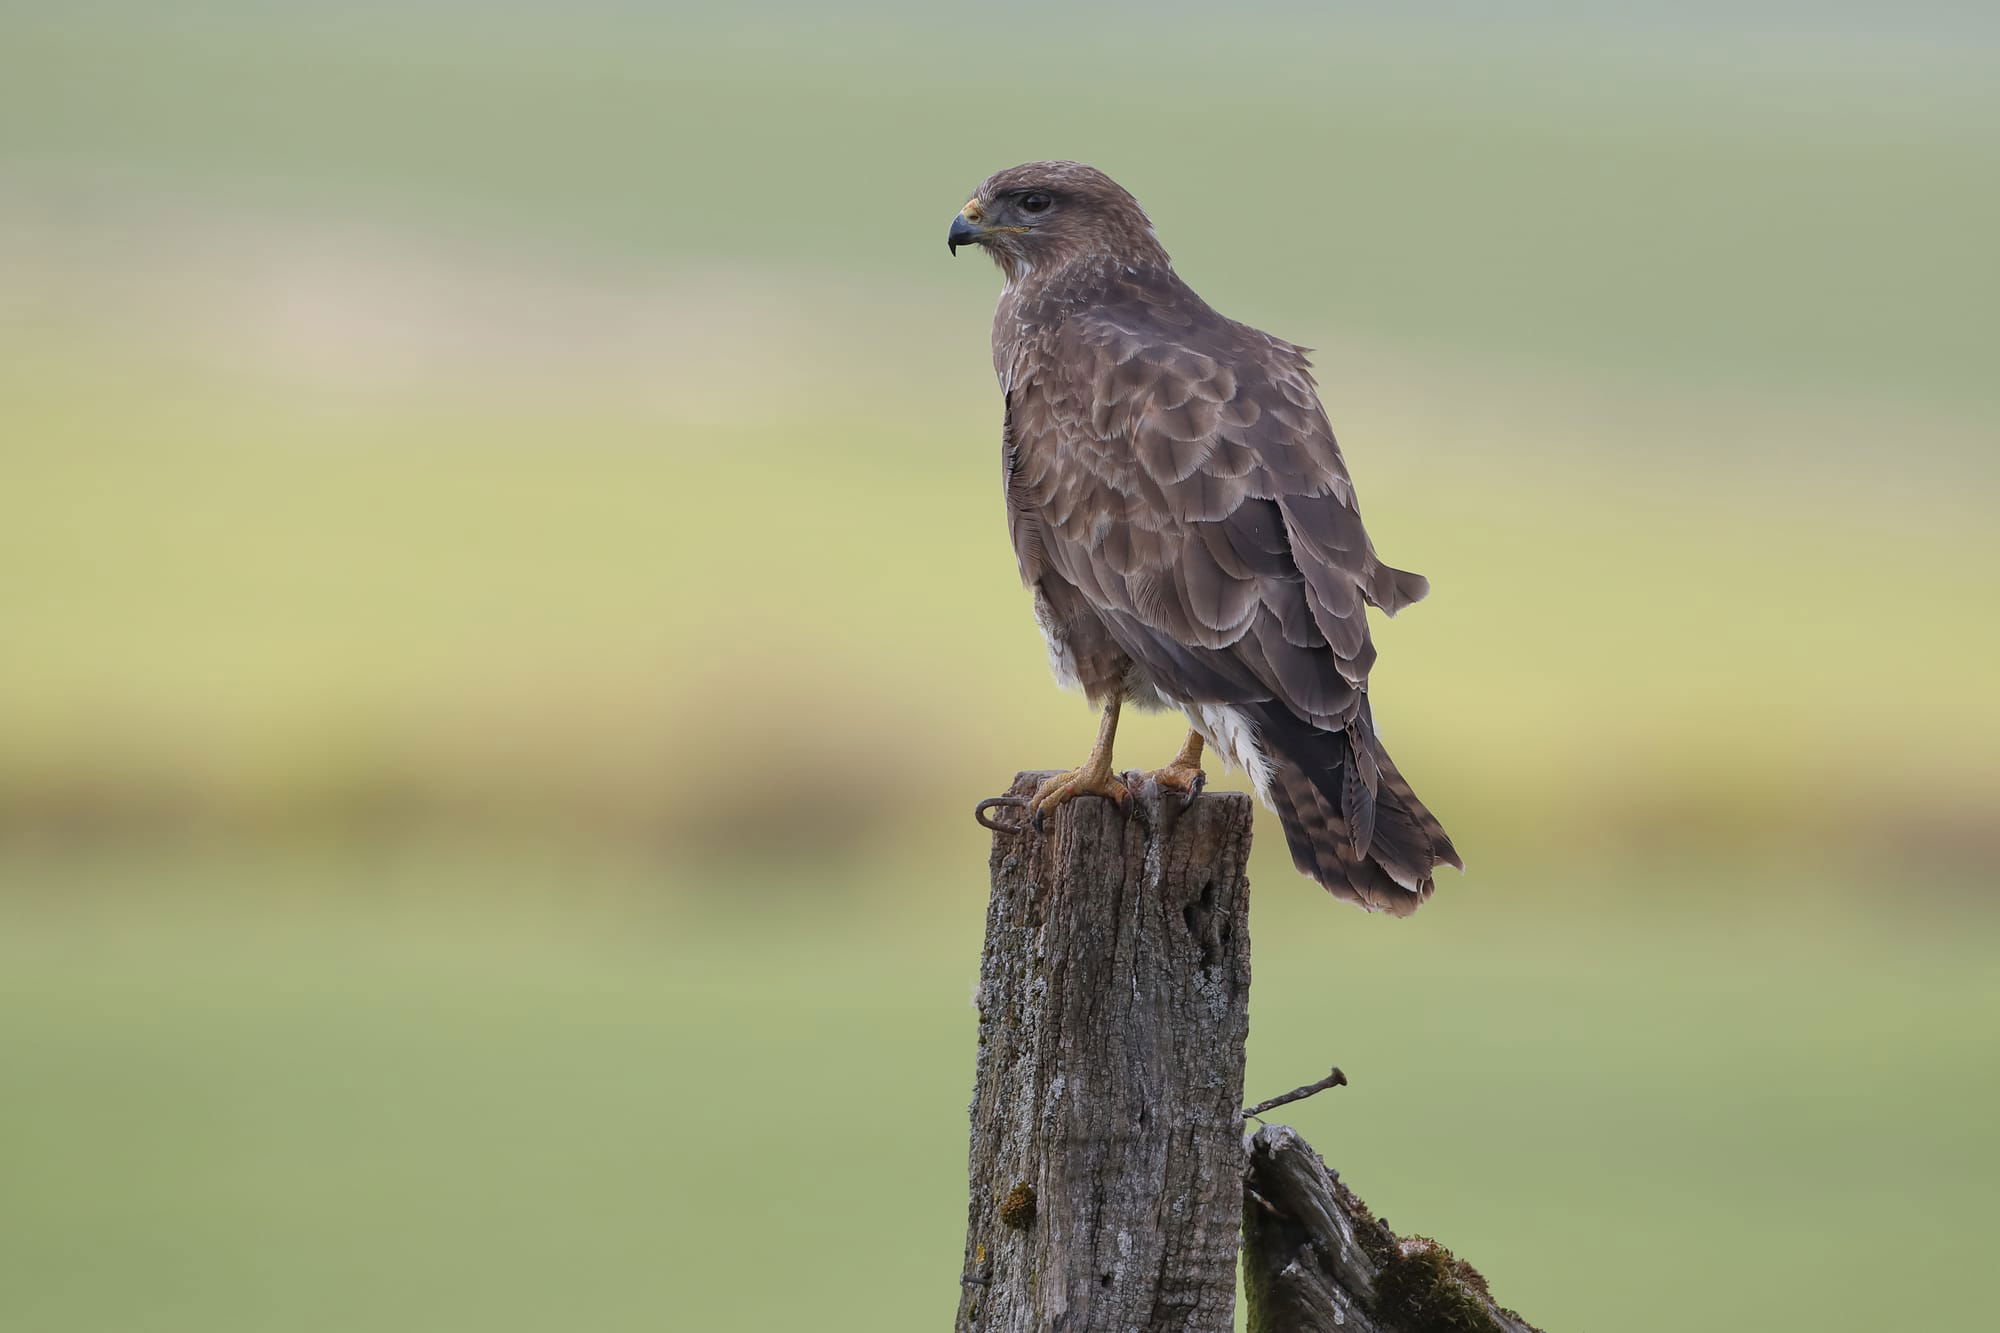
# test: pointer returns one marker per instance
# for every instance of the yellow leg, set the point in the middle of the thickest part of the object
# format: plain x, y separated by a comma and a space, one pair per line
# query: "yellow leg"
1093, 778
1183, 773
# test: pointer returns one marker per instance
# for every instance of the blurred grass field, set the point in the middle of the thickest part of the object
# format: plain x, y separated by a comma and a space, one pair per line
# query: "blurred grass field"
452, 1088
507, 611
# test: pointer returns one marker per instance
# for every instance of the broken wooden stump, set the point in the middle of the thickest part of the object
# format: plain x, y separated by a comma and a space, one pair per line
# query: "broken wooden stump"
1316, 1260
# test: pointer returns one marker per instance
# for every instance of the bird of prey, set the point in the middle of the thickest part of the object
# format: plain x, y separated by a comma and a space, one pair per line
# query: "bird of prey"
1184, 519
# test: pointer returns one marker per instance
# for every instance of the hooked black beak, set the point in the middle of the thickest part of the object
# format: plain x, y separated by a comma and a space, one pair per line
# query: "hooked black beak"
962, 232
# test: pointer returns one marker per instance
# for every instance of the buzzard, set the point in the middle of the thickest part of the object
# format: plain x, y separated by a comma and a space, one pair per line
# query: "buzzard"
1182, 515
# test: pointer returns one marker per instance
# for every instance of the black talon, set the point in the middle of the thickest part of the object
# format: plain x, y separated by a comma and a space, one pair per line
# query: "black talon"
1194, 788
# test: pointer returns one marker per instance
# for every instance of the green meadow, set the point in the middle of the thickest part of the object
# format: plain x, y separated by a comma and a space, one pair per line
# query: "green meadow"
505, 614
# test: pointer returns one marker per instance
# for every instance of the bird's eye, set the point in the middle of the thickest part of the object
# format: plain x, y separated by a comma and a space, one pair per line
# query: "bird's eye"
1035, 203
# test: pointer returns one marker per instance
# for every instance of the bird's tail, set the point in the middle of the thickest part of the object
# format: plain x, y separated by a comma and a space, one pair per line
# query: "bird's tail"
1351, 820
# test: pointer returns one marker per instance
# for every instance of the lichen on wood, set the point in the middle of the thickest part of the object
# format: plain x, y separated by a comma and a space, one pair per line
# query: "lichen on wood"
1316, 1260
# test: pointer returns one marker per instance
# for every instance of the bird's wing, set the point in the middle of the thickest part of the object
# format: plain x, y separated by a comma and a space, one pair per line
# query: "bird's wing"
1185, 479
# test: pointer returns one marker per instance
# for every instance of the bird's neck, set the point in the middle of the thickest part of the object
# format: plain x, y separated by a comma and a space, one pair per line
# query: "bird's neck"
1072, 280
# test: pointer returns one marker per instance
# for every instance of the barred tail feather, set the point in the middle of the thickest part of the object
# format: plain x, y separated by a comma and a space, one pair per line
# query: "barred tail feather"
1349, 816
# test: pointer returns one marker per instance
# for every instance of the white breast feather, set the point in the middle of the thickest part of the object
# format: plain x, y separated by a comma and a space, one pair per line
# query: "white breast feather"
1062, 662
1230, 734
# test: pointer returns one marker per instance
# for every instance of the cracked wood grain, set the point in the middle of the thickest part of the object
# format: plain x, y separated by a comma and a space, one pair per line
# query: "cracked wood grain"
1106, 1162
1316, 1260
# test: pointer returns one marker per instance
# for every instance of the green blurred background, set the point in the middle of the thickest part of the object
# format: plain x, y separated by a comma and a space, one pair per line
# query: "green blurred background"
505, 613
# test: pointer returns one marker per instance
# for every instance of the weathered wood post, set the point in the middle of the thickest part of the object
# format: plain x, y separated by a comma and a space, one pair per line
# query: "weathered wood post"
1107, 1152
1316, 1260
1109, 1171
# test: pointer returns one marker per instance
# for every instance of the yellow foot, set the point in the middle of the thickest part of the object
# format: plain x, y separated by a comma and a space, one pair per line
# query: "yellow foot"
1187, 779
1183, 774
1090, 780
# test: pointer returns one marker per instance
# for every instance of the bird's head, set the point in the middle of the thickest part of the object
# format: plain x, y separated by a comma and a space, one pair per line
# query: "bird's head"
1041, 215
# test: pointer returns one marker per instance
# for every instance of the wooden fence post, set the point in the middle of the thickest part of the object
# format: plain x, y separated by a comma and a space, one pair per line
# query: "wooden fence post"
1107, 1151
1109, 1172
